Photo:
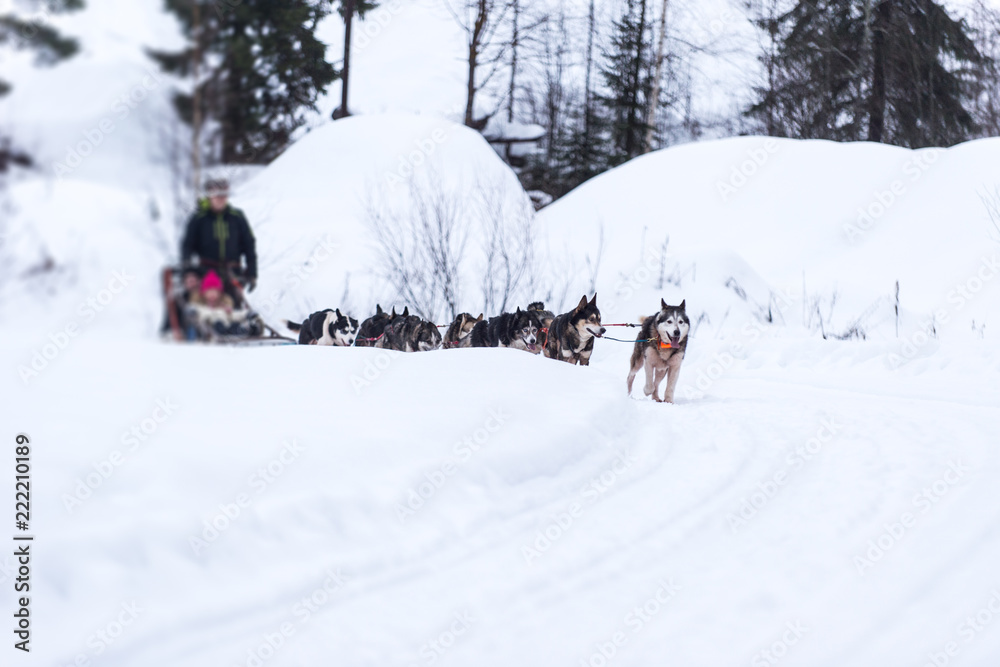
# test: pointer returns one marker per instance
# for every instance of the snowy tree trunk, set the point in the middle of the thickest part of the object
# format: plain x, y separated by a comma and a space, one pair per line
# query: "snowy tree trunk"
654, 99
196, 120
343, 112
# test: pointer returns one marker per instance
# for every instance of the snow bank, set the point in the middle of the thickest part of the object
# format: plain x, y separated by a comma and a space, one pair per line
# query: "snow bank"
206, 506
796, 216
311, 207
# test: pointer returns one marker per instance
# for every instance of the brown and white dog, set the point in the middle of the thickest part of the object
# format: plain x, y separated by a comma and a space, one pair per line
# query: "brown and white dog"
571, 335
460, 330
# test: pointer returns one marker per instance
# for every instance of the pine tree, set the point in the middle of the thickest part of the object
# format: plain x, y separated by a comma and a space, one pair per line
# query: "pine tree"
50, 47
627, 81
265, 69
892, 71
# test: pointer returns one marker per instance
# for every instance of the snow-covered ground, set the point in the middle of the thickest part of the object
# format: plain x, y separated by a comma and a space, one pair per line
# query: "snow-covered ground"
807, 500
488, 507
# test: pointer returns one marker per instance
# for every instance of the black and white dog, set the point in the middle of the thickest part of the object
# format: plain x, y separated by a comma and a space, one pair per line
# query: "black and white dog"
660, 348
326, 327
520, 330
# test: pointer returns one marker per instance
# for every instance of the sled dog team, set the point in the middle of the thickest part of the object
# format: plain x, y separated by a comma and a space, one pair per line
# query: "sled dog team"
659, 348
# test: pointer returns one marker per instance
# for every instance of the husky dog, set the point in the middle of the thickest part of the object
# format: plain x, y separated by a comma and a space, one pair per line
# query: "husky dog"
520, 330
660, 348
459, 334
326, 327
372, 328
571, 335
410, 333
545, 317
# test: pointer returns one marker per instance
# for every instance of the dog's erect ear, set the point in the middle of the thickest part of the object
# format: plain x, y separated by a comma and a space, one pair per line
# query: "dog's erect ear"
663, 305
378, 310
406, 312
518, 309
683, 304
480, 318
583, 304
393, 313
337, 311
593, 302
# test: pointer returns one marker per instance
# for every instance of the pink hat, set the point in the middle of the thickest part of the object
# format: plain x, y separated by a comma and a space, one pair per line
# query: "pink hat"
211, 281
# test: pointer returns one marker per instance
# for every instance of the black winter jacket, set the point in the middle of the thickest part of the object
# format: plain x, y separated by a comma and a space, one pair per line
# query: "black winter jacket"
220, 238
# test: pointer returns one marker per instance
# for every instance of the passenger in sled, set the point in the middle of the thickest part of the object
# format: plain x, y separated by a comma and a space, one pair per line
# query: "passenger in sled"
211, 313
219, 259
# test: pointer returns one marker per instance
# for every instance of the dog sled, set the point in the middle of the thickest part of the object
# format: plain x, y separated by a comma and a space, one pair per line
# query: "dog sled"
231, 321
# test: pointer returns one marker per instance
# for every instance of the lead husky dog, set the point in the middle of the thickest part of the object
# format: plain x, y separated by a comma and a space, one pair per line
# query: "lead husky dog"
571, 335
459, 332
326, 327
660, 348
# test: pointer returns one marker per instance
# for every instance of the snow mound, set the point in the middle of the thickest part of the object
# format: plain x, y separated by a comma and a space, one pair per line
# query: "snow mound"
311, 207
839, 223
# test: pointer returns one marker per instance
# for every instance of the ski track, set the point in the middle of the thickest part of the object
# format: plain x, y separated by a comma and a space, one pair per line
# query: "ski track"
696, 461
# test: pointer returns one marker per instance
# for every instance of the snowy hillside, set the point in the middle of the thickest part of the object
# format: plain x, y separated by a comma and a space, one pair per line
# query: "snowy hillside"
821, 494
807, 502
766, 216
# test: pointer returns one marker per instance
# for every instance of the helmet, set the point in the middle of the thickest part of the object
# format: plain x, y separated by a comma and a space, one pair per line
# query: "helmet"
216, 187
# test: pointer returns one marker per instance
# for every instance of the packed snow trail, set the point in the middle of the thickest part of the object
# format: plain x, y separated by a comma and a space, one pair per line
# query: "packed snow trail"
546, 507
